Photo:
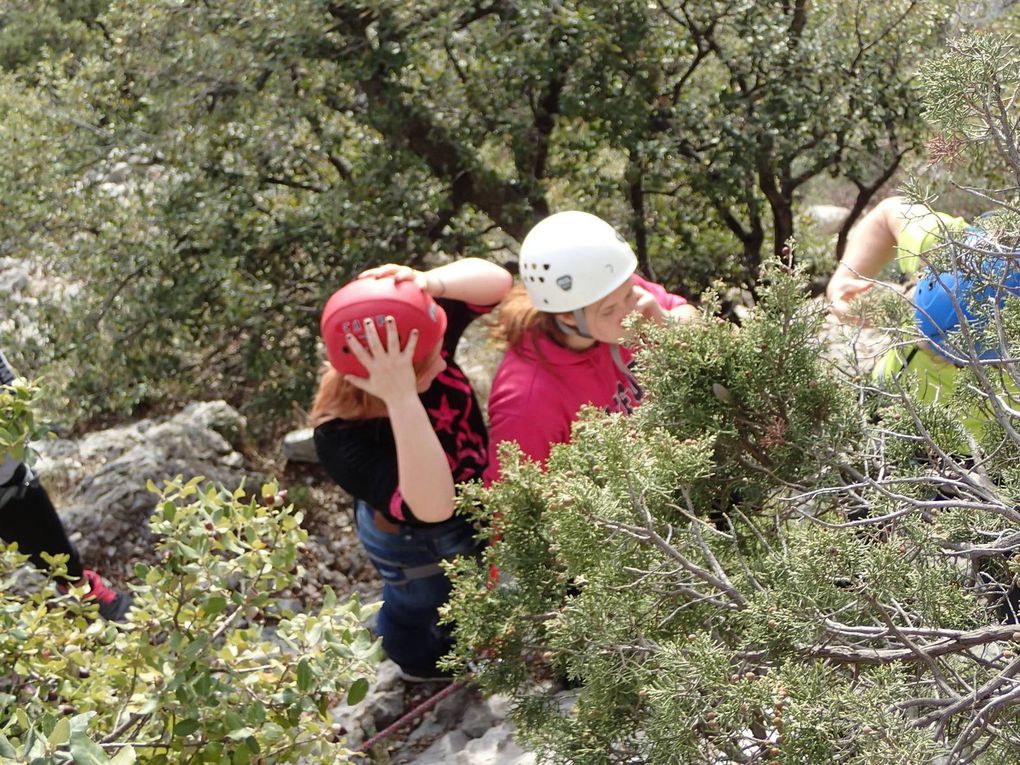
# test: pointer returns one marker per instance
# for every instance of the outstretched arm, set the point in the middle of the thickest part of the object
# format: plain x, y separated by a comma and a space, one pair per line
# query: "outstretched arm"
471, 280
870, 247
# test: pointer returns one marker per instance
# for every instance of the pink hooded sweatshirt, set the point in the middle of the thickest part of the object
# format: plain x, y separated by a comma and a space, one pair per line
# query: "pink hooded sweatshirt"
540, 386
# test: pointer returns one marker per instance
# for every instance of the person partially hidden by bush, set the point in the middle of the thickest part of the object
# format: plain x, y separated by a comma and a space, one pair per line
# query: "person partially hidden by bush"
967, 279
966, 273
29, 519
564, 328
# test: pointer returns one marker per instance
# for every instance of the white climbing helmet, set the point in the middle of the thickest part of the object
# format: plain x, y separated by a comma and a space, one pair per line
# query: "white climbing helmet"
572, 259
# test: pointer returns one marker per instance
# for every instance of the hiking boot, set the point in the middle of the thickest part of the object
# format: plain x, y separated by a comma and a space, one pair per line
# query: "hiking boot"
113, 605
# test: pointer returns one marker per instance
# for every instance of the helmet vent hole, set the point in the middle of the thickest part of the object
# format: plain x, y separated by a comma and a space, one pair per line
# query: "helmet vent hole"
542, 279
545, 266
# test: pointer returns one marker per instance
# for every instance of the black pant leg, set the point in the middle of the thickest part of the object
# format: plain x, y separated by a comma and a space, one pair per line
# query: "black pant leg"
32, 522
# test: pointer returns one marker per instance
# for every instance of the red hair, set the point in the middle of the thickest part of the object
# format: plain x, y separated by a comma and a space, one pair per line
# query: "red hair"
337, 398
518, 318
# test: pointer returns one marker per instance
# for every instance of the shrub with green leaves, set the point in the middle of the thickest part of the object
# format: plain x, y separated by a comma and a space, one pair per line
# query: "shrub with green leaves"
207, 669
18, 423
744, 570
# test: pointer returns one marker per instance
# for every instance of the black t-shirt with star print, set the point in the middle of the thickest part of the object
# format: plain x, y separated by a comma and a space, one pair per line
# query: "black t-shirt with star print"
361, 455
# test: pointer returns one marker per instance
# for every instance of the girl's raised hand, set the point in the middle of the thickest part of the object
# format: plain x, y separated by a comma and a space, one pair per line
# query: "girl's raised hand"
391, 374
647, 305
843, 288
398, 273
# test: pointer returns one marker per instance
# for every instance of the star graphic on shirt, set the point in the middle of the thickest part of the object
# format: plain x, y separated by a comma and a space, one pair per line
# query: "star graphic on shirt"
443, 416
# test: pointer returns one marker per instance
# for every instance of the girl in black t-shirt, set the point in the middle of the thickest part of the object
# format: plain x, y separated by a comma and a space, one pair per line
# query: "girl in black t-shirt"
397, 425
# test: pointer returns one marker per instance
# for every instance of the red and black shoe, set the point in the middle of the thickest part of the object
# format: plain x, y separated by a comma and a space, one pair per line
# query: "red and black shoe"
113, 605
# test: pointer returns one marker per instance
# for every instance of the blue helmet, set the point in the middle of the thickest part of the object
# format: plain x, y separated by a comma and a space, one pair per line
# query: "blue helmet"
969, 289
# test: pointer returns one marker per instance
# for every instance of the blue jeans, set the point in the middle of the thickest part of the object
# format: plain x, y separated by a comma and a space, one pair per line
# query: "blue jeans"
408, 620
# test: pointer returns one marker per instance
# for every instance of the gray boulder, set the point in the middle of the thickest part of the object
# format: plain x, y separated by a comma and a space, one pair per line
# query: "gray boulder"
827, 219
299, 446
101, 481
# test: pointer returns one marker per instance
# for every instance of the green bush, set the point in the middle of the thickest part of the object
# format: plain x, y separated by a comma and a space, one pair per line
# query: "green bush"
772, 561
208, 667
234, 163
750, 568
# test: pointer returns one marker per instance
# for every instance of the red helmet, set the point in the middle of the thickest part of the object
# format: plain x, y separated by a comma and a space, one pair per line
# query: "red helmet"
406, 302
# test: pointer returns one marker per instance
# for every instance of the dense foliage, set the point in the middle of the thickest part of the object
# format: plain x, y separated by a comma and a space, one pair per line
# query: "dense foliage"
769, 562
205, 174
208, 668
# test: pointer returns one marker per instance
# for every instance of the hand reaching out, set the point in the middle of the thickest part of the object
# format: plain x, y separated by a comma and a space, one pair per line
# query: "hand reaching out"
842, 289
648, 306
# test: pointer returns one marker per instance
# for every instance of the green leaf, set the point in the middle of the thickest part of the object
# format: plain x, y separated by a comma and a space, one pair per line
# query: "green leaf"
6, 750
85, 751
125, 756
61, 732
215, 604
304, 675
232, 720
358, 691
80, 723
186, 727
257, 713
328, 598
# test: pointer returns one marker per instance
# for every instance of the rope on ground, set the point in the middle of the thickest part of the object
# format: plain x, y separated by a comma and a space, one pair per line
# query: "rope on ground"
413, 714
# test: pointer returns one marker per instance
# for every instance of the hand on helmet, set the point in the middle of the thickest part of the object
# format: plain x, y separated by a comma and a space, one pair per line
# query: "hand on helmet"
401, 273
391, 373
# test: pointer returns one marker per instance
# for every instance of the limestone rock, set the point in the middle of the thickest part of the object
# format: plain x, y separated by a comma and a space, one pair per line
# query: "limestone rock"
101, 480
299, 446
827, 219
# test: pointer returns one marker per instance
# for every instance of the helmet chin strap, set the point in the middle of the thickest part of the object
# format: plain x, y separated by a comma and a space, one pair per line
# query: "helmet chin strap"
581, 328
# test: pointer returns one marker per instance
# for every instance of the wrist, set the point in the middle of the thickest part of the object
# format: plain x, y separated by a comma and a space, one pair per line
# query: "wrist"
436, 285
403, 399
839, 279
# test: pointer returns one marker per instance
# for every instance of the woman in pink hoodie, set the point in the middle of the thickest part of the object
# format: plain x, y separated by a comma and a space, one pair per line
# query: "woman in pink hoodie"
566, 343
